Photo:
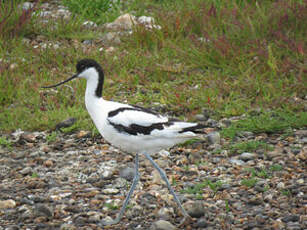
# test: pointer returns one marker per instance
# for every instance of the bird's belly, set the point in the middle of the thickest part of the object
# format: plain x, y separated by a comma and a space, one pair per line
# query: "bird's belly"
138, 143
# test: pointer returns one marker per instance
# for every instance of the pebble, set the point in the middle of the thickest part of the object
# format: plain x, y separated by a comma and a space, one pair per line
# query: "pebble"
6, 204
29, 137
26, 171
127, 173
162, 225
111, 38
87, 42
165, 213
202, 223
195, 209
280, 185
236, 161
246, 156
200, 117
89, 24
110, 191
149, 22
27, 5
66, 123
291, 218
68, 227
43, 210
214, 138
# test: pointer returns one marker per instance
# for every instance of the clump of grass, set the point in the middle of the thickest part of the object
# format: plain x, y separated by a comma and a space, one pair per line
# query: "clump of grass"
197, 189
95, 10
13, 19
6, 143
51, 137
262, 172
250, 182
111, 206
276, 167
249, 146
270, 122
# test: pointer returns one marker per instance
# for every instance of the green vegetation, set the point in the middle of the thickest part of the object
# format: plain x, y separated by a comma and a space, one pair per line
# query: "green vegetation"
34, 175
111, 206
269, 122
255, 173
250, 182
249, 146
6, 143
94, 10
226, 56
51, 137
276, 167
197, 189
262, 172
286, 192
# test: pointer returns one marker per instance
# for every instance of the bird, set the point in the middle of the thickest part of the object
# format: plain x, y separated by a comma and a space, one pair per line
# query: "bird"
133, 129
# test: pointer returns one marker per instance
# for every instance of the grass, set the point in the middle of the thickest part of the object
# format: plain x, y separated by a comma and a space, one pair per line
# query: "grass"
5, 143
225, 56
269, 122
255, 173
250, 182
249, 146
51, 137
197, 189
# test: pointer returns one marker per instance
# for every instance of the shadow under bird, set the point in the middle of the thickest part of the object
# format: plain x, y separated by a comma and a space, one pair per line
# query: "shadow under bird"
133, 129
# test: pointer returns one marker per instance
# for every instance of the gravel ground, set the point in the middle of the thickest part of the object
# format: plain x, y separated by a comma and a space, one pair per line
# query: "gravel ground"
75, 180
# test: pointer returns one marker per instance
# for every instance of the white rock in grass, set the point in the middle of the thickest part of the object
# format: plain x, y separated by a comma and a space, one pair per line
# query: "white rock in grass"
148, 22
89, 24
123, 22
27, 5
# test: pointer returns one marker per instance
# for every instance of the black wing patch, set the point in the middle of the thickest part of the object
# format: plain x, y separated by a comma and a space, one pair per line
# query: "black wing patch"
134, 108
194, 129
135, 129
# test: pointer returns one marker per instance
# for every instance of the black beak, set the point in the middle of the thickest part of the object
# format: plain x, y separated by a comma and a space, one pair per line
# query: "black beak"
61, 83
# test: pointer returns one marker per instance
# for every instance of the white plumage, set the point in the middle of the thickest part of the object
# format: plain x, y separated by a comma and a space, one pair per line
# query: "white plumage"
131, 128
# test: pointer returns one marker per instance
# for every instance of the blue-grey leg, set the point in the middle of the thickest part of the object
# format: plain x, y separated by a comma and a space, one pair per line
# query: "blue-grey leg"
134, 183
164, 177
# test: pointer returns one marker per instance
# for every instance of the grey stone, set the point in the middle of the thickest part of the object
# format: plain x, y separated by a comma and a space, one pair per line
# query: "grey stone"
162, 225
202, 223
236, 161
290, 218
111, 38
214, 138
247, 156
87, 42
67, 227
66, 123
26, 171
195, 209
27, 5
200, 117
127, 173
43, 210
89, 24
280, 185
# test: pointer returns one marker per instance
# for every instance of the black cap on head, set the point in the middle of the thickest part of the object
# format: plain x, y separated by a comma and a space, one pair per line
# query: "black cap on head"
87, 63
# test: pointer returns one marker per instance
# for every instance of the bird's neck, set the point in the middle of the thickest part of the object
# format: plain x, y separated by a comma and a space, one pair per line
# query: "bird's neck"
91, 94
